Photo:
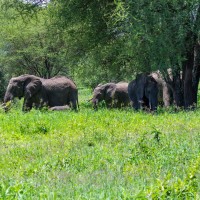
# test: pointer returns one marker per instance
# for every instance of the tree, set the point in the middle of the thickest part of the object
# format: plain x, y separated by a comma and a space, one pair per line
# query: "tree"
101, 48
166, 34
34, 47
2, 85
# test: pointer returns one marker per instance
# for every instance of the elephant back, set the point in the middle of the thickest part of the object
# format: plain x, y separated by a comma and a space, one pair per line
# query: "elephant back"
60, 91
62, 80
122, 86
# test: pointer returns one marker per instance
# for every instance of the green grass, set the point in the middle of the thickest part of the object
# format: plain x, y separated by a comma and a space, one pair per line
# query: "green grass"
108, 154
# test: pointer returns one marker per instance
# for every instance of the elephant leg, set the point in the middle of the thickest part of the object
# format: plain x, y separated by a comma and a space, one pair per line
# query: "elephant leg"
74, 100
121, 102
135, 102
74, 104
118, 104
27, 105
109, 103
136, 105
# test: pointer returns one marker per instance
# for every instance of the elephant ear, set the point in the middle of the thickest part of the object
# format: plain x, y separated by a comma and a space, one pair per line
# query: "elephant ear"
32, 86
109, 90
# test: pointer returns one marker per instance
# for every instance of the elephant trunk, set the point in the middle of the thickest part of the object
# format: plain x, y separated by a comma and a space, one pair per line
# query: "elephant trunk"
8, 97
7, 101
141, 103
95, 103
153, 101
153, 106
5, 106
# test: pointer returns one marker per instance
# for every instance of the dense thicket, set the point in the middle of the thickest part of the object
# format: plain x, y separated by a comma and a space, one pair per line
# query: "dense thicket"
99, 40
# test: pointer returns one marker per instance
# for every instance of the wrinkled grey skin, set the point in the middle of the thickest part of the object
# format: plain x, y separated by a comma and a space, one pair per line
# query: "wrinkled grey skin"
114, 95
60, 108
165, 95
143, 92
39, 92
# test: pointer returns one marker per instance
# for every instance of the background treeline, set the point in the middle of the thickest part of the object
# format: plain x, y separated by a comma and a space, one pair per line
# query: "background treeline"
96, 41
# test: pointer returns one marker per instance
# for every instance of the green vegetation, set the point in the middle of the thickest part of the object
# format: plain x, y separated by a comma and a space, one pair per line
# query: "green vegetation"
108, 154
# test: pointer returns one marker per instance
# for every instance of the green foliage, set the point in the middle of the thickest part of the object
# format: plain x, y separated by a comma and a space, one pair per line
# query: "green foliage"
34, 46
129, 36
74, 38
2, 85
96, 41
161, 32
104, 154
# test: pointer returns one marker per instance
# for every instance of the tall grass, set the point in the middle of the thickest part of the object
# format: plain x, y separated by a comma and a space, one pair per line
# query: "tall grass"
108, 154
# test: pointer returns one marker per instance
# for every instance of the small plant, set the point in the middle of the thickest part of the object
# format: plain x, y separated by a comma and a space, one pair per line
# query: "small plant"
157, 134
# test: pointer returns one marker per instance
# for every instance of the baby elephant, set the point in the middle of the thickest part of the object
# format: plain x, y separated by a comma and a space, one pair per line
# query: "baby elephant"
60, 108
114, 95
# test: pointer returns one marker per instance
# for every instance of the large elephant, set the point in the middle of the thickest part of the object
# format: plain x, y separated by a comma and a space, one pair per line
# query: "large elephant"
143, 92
114, 95
39, 92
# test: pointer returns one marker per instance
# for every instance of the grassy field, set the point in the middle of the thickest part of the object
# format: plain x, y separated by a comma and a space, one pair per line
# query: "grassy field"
108, 154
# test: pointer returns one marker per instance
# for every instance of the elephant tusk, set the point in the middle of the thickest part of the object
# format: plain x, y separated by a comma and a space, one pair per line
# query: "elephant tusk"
141, 101
6, 106
3, 105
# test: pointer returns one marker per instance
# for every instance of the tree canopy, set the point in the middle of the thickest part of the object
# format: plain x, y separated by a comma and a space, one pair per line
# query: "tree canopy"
101, 40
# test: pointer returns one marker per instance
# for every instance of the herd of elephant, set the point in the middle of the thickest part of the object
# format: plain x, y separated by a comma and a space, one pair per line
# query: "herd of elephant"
61, 93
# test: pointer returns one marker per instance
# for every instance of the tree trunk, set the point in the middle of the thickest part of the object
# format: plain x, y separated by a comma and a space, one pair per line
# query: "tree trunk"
191, 73
174, 82
178, 89
196, 70
191, 67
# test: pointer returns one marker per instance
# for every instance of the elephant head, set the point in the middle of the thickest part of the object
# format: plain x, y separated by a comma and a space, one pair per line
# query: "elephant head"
23, 86
143, 92
103, 92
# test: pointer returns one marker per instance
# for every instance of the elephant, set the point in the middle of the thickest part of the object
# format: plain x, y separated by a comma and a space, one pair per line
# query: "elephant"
143, 92
39, 92
114, 95
60, 108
